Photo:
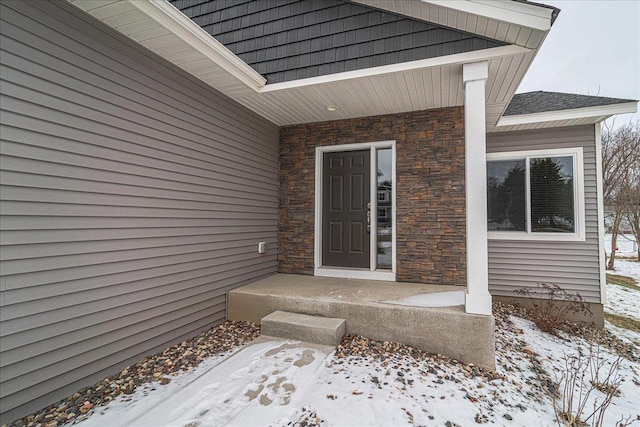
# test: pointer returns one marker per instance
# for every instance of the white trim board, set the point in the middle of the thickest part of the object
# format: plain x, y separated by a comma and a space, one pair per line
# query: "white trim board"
526, 15
355, 273
456, 13
456, 59
167, 18
167, 15
352, 273
576, 113
600, 196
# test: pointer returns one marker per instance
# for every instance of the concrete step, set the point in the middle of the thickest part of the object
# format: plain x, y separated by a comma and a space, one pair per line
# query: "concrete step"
312, 329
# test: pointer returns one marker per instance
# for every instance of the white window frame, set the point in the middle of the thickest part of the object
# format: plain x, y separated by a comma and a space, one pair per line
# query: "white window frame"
578, 195
357, 273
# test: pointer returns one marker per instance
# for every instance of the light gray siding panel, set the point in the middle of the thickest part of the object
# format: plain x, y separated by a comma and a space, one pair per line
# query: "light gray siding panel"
133, 198
67, 382
573, 265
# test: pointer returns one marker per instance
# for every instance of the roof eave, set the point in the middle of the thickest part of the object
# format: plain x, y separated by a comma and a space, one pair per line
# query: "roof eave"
171, 18
559, 118
575, 113
512, 22
518, 13
439, 61
162, 28
516, 23
180, 29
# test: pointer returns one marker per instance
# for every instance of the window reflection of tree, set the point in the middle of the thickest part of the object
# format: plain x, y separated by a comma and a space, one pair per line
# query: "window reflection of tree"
551, 195
507, 202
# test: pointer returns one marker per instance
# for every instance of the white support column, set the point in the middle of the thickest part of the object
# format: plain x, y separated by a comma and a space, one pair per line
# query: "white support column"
478, 299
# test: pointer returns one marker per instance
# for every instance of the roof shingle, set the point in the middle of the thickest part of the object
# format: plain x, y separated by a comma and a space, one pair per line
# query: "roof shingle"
541, 101
286, 40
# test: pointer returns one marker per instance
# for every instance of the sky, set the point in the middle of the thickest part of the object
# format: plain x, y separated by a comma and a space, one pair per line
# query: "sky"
593, 49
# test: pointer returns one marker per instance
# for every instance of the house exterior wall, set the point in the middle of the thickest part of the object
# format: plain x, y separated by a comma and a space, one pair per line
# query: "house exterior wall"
430, 203
133, 198
574, 265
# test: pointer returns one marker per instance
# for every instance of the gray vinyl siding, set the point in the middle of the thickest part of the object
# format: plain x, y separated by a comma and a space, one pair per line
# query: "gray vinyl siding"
516, 264
295, 39
133, 197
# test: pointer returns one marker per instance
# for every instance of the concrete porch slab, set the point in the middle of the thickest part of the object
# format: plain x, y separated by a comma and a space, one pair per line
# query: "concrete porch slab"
385, 311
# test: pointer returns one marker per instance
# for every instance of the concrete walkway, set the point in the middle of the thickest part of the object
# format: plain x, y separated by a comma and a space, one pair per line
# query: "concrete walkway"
262, 384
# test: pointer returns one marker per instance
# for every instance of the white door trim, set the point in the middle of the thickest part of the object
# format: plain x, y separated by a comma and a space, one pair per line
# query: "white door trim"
355, 273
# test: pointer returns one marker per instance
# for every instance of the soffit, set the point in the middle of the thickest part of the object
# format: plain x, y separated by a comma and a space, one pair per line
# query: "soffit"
161, 28
421, 88
411, 86
551, 124
570, 117
508, 21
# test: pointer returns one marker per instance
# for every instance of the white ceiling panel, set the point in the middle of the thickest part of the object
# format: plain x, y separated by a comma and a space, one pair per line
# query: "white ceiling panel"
103, 9
150, 34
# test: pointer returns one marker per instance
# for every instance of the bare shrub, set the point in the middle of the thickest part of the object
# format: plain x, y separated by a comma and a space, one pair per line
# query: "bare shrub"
580, 376
627, 421
553, 306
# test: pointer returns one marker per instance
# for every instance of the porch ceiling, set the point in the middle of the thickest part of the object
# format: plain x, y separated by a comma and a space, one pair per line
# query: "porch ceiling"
411, 86
420, 85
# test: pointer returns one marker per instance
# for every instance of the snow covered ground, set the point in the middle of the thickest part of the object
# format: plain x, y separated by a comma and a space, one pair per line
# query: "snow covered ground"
295, 382
279, 382
626, 243
629, 268
624, 301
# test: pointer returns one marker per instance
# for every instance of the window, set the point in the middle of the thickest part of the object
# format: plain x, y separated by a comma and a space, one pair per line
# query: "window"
535, 194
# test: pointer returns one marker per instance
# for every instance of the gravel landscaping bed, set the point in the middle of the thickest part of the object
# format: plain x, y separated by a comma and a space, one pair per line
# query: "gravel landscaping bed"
397, 365
216, 341
386, 365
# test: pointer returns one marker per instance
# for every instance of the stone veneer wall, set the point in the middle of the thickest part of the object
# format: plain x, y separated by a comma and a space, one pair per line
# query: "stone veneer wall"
430, 203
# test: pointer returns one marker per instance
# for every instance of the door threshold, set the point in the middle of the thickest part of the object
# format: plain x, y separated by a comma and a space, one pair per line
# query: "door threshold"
355, 273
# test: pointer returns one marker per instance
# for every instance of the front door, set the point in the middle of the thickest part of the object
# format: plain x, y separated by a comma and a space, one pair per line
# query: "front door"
346, 203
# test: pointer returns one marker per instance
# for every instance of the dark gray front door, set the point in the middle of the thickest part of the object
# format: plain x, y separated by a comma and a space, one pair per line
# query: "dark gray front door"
345, 203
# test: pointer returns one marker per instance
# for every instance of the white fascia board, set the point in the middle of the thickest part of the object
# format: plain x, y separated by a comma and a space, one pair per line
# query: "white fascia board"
523, 14
165, 14
576, 113
460, 58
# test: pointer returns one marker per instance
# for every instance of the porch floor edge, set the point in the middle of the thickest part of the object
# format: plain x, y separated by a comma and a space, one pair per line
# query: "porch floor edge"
366, 307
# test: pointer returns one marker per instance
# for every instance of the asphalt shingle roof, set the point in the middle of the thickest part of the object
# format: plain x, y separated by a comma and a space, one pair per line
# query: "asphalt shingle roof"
540, 101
